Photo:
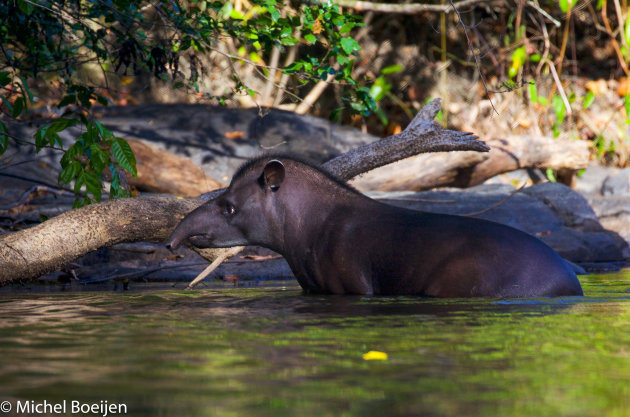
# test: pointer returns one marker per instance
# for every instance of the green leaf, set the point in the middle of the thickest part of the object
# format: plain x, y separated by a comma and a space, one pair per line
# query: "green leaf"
4, 138
379, 89
295, 67
381, 115
5, 78
97, 157
25, 90
81, 202
550, 175
626, 105
349, 45
235, 14
124, 155
79, 181
25, 7
103, 101
18, 106
347, 27
558, 108
93, 185
519, 56
391, 69
588, 100
335, 114
62, 123
226, 10
273, 12
310, 38
289, 40
533, 92
69, 99
70, 172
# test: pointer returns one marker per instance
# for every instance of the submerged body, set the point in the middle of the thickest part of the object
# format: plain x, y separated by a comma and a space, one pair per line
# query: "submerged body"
339, 241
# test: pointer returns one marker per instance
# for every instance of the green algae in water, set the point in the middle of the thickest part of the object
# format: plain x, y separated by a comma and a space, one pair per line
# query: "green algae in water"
273, 352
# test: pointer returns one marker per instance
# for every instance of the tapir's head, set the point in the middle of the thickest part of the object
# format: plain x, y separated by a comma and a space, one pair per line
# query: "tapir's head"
247, 213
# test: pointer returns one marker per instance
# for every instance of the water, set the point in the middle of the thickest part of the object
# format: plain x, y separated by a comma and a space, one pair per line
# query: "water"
275, 352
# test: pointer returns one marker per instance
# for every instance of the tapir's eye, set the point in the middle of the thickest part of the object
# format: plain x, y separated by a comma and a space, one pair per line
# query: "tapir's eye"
230, 210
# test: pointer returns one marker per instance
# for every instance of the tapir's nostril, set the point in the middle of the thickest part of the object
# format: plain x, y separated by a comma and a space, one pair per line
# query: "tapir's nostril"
172, 245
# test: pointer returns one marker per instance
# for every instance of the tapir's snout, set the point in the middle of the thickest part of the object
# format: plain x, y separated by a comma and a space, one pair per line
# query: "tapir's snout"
175, 240
189, 227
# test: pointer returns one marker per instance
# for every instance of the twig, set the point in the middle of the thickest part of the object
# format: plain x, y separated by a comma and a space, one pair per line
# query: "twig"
34, 181
563, 95
613, 40
512, 194
218, 261
8, 158
565, 39
27, 142
475, 56
547, 43
536, 7
36, 188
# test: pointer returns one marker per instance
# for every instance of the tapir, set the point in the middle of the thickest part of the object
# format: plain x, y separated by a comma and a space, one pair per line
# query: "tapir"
339, 241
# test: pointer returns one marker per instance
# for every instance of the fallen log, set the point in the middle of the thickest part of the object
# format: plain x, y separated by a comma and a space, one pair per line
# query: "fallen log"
29, 253
160, 171
465, 169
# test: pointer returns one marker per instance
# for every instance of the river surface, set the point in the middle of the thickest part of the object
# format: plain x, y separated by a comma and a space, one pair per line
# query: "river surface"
272, 351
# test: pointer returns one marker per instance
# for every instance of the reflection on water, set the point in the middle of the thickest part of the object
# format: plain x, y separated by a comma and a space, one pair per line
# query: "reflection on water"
276, 352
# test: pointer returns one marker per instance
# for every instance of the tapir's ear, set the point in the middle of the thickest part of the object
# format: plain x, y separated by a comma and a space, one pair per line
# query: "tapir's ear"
273, 174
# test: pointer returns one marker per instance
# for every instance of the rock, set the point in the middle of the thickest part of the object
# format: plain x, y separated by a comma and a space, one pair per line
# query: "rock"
617, 184
570, 206
591, 180
613, 213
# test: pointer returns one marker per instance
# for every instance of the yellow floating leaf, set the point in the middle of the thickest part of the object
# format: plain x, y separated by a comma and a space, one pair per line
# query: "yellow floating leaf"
375, 355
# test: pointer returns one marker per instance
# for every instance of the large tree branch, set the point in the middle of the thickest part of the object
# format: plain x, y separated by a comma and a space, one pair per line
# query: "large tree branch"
422, 135
46, 247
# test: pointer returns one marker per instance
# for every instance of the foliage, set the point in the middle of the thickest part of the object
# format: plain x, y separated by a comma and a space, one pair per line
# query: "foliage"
71, 44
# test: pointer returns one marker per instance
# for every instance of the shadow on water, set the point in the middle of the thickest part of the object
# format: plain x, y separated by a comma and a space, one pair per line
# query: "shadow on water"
276, 352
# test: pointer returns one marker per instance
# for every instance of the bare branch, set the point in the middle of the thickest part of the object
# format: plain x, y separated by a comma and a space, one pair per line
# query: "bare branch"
422, 135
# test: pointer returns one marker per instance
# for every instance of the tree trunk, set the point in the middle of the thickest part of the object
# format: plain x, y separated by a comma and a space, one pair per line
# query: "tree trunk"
46, 247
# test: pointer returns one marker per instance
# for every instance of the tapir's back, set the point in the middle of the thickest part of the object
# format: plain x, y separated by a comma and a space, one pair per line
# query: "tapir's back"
453, 256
